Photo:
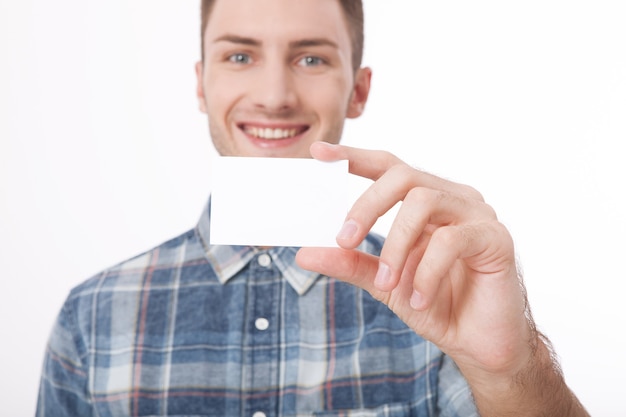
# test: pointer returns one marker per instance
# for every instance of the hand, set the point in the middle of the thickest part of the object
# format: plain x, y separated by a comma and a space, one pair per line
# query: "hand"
448, 270
447, 267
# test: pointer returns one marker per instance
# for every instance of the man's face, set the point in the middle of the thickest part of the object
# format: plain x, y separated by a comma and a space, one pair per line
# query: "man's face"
277, 76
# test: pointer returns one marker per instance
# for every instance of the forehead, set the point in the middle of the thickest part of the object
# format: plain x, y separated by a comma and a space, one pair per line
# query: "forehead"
275, 20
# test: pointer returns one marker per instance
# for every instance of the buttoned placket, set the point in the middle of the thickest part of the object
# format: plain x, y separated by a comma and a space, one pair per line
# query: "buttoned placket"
261, 354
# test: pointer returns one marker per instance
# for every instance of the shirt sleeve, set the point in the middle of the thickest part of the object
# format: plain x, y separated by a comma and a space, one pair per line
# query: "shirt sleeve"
455, 397
63, 390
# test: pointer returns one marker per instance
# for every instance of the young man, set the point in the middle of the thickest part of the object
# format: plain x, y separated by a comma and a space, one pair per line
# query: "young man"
435, 323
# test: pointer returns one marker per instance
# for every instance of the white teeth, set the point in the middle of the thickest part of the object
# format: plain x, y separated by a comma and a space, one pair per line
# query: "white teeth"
269, 133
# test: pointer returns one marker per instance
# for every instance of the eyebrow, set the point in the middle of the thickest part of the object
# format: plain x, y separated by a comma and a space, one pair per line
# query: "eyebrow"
238, 39
302, 43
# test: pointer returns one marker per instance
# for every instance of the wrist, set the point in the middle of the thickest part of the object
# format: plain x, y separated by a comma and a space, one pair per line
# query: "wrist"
536, 388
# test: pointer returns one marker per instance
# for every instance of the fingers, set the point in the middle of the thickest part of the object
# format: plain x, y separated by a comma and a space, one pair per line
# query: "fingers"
432, 270
441, 221
447, 267
373, 164
423, 207
394, 180
355, 267
446, 246
379, 198
358, 268
364, 163
485, 248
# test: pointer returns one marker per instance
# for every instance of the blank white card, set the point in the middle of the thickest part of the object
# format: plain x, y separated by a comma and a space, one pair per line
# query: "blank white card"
278, 201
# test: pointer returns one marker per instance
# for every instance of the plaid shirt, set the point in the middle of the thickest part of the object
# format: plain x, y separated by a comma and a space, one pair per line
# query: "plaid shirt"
190, 329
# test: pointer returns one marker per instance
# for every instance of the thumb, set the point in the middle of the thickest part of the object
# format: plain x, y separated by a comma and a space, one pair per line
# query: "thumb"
348, 265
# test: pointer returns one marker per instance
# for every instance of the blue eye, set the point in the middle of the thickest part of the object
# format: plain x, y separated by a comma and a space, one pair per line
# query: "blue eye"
239, 58
311, 61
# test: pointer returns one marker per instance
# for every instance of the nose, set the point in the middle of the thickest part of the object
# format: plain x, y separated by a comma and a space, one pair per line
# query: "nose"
274, 89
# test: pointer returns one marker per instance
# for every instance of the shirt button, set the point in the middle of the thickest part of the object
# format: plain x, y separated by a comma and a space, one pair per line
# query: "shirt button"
262, 323
264, 260
258, 414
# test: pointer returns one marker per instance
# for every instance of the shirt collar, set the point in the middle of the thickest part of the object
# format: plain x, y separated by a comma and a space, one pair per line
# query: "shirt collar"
228, 260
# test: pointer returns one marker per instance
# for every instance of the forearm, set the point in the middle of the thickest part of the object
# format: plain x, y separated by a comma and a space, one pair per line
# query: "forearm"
537, 390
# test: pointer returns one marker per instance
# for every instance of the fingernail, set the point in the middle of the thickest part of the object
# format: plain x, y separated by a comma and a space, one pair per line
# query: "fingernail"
417, 301
383, 276
327, 144
348, 230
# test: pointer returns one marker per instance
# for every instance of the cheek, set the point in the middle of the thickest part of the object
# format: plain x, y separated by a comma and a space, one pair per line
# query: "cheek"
221, 92
329, 98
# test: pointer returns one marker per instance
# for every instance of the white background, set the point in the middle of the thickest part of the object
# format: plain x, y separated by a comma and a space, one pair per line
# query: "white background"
103, 153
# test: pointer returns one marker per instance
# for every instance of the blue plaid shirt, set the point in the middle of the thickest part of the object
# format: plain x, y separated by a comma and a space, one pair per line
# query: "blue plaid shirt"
191, 329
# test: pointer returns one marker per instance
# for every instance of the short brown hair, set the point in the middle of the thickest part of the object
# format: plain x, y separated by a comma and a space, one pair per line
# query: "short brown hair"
353, 10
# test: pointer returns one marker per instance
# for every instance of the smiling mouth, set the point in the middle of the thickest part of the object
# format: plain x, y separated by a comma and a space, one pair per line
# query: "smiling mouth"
273, 133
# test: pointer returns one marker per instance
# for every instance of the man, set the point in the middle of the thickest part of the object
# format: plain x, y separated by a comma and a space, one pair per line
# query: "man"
189, 328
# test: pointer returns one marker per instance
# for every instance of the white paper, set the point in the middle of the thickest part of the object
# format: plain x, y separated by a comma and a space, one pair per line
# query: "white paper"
278, 201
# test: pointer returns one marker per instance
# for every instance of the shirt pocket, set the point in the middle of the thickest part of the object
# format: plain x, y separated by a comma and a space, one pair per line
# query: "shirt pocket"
387, 410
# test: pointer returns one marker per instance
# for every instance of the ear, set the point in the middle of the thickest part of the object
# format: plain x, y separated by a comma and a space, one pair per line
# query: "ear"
361, 91
200, 86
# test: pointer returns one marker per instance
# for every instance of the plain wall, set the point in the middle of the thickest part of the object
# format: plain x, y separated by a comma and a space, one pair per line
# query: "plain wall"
104, 154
